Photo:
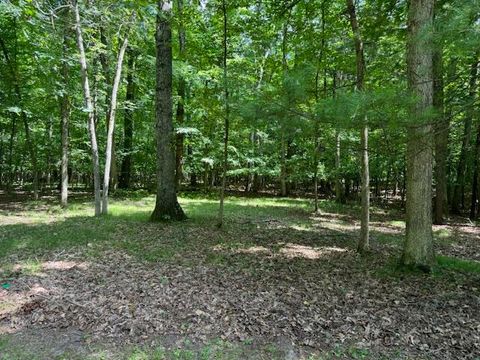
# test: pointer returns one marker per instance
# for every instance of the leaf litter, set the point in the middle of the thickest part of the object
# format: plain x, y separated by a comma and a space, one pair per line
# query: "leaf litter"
317, 302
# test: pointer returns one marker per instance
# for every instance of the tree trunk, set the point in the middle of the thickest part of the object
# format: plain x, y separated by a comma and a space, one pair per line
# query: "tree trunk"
363, 243
339, 194
113, 170
126, 170
11, 172
227, 114
90, 111
111, 125
441, 138
181, 100
284, 136
418, 248
49, 135
283, 165
475, 182
65, 116
166, 206
458, 200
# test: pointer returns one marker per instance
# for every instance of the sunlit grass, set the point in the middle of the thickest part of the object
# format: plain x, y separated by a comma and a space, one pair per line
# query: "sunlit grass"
452, 263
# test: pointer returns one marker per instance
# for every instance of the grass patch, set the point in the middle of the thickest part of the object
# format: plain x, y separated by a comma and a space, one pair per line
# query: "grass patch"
451, 263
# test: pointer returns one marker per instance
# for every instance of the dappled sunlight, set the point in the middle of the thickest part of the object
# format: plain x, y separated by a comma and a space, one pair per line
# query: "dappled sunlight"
288, 250
337, 225
63, 265
385, 228
29, 267
308, 252
254, 250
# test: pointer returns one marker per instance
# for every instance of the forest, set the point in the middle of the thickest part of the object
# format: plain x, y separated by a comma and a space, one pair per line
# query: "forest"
239, 179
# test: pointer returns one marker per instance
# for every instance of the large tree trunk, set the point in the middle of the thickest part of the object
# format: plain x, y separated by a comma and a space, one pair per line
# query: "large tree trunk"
458, 200
90, 111
181, 100
167, 206
418, 248
441, 138
126, 170
111, 125
363, 243
227, 115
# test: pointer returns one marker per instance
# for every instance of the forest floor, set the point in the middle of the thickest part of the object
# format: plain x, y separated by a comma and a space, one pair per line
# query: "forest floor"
277, 282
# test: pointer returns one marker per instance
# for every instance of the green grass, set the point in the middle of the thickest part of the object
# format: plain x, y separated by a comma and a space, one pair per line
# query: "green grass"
451, 263
215, 349
54, 229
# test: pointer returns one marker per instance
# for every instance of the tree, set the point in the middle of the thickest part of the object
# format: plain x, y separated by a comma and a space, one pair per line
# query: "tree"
126, 169
166, 206
111, 125
226, 114
363, 243
418, 248
89, 109
458, 200
180, 115
65, 117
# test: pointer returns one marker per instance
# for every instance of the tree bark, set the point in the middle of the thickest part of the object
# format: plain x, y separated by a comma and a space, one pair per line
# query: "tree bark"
167, 206
126, 170
11, 172
363, 243
227, 115
113, 171
181, 101
89, 108
111, 125
475, 182
284, 136
458, 200
418, 247
65, 117
441, 137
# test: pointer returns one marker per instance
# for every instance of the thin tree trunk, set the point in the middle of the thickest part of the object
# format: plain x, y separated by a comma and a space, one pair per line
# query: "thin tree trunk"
11, 173
113, 170
283, 165
475, 182
339, 196
227, 115
111, 125
339, 192
89, 109
49, 153
284, 136
166, 206
418, 248
363, 243
441, 138
459, 188
126, 171
181, 101
65, 115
